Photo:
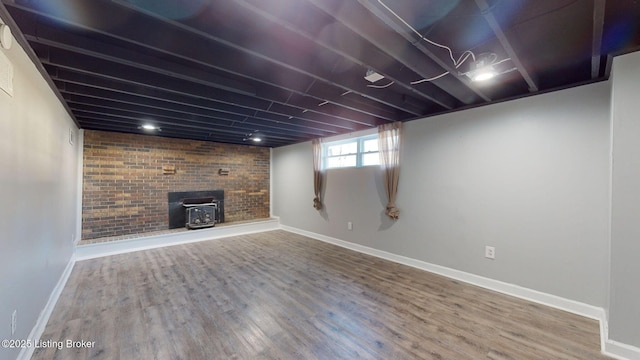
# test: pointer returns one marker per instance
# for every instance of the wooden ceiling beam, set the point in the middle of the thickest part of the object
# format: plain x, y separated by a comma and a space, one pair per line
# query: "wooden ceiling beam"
273, 111
336, 37
418, 57
186, 115
506, 44
191, 108
598, 29
223, 46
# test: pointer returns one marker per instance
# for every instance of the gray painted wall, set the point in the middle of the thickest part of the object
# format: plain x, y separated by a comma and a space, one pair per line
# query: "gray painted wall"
624, 311
529, 177
38, 188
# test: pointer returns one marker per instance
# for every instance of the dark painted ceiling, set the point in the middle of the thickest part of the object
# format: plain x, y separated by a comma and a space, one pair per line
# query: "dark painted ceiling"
294, 69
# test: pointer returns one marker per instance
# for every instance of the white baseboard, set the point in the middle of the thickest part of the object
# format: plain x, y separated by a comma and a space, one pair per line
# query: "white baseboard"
620, 351
43, 319
608, 347
91, 251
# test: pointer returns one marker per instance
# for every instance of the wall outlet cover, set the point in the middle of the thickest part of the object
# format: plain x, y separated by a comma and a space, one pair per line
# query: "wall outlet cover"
490, 252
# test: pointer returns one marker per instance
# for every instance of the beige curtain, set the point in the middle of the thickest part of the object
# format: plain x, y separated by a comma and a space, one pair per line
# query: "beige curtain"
317, 172
389, 140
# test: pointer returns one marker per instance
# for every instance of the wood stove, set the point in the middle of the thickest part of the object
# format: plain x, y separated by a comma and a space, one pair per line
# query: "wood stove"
200, 212
196, 209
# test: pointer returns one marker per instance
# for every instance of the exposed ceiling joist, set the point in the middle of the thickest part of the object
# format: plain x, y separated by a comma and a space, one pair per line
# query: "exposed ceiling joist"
337, 38
70, 78
295, 69
598, 27
425, 62
197, 108
506, 44
43, 34
198, 33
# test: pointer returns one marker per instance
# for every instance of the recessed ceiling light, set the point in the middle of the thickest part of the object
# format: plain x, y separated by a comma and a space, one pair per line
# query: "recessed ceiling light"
255, 136
484, 68
149, 127
484, 74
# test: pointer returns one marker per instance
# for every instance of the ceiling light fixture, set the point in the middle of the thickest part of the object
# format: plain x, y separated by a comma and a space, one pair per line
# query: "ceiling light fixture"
149, 127
483, 68
486, 68
255, 136
484, 74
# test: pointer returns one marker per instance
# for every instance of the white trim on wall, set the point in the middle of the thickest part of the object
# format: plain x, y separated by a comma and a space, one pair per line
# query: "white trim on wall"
605, 324
80, 187
620, 351
91, 251
271, 182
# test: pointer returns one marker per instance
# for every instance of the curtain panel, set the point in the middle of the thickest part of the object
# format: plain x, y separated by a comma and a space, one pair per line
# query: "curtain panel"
317, 172
389, 140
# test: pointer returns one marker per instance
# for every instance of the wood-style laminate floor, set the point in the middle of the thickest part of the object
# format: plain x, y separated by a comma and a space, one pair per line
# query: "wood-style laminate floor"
278, 295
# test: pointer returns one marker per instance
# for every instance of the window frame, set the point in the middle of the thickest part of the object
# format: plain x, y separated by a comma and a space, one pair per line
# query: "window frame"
359, 154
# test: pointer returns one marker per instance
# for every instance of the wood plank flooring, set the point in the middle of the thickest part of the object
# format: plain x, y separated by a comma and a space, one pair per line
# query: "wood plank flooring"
277, 295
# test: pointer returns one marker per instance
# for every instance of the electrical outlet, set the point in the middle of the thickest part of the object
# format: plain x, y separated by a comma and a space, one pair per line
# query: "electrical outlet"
14, 321
489, 252
349, 225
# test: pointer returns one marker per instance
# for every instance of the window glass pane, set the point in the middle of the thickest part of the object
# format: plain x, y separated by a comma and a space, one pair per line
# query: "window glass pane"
353, 152
370, 159
342, 149
370, 145
341, 161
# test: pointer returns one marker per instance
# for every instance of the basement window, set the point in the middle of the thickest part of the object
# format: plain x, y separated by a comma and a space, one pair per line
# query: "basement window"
354, 152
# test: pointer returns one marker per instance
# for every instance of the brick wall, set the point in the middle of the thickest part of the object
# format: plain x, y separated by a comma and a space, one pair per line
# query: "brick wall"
125, 191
